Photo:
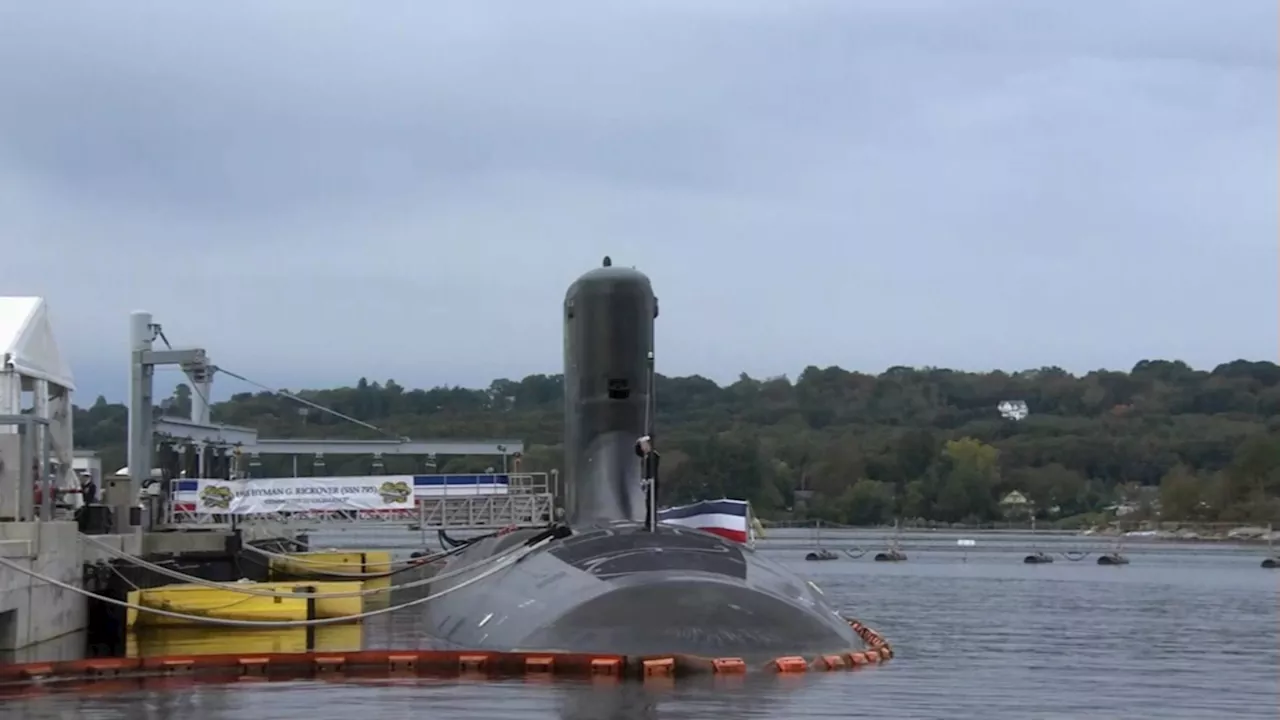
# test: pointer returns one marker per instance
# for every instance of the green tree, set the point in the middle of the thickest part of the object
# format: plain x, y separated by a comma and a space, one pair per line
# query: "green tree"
1052, 489
867, 502
971, 471
932, 436
1181, 495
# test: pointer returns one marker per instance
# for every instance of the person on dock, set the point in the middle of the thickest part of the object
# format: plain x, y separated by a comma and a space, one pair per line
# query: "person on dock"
88, 489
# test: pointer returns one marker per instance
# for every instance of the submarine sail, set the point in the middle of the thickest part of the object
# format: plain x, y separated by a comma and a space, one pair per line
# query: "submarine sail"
608, 335
607, 583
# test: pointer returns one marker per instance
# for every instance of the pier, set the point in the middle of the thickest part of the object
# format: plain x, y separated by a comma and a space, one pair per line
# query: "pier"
153, 508
35, 459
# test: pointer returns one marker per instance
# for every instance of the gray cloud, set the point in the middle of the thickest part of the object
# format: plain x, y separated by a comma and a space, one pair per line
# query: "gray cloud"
321, 190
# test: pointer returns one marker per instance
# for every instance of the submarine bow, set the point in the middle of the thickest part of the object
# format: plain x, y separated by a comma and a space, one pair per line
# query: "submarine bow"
614, 585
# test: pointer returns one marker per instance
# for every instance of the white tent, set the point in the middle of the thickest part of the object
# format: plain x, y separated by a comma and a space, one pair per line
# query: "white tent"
27, 344
31, 362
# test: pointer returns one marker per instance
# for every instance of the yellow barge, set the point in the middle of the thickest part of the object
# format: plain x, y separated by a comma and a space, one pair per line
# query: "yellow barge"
230, 604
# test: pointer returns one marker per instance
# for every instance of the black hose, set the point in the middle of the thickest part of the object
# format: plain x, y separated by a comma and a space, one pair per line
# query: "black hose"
448, 542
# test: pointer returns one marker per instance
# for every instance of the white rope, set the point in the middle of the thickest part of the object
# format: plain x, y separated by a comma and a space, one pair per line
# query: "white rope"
264, 592
272, 623
302, 560
332, 573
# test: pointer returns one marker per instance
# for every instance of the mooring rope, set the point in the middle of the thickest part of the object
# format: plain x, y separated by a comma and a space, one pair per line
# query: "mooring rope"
264, 592
405, 564
303, 560
498, 566
305, 573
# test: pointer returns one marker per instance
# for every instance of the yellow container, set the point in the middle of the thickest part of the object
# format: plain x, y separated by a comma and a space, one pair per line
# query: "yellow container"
230, 604
376, 601
317, 564
154, 642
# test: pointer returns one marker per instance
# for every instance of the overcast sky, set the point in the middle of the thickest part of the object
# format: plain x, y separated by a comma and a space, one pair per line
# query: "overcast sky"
316, 191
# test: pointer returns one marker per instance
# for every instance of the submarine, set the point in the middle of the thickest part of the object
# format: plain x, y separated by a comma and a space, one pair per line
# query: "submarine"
607, 577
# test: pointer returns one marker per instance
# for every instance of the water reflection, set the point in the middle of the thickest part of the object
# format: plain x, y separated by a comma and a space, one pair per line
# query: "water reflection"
728, 696
176, 699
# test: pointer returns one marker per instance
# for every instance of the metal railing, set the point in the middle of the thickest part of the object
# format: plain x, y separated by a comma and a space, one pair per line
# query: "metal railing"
529, 500
485, 513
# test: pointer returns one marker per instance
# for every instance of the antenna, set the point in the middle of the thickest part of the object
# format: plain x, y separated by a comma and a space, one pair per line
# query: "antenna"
649, 456
1014, 410
650, 386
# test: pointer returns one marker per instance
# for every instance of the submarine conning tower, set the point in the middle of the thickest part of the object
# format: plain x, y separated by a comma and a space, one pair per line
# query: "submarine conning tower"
616, 584
609, 316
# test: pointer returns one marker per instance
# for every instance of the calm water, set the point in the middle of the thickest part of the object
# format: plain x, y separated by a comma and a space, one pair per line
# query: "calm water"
1186, 631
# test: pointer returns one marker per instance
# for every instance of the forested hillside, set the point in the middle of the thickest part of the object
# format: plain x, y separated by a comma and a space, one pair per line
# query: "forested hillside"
911, 443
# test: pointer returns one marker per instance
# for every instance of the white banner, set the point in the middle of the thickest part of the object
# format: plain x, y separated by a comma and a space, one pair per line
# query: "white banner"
272, 495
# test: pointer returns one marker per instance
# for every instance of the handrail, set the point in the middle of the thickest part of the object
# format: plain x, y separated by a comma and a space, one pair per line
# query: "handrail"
430, 500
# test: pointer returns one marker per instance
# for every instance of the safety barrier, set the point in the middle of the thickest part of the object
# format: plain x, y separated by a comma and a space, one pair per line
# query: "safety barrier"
99, 673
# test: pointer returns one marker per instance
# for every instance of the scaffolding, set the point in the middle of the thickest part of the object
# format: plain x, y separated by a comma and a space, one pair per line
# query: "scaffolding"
213, 450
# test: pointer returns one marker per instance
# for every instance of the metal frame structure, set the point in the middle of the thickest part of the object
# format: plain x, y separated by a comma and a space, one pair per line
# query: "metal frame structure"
200, 433
246, 439
23, 508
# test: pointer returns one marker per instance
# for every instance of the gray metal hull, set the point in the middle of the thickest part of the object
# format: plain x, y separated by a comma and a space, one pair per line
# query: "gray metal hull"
619, 589
614, 587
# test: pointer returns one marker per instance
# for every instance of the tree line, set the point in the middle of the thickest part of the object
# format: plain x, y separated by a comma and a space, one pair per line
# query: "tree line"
1162, 440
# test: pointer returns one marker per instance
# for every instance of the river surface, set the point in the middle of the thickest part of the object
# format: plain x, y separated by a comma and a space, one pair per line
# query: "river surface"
1185, 631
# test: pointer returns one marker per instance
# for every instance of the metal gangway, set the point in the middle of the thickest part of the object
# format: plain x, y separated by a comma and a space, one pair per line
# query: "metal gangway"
484, 501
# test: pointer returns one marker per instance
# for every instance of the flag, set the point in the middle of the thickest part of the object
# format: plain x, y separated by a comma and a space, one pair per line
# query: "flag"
726, 518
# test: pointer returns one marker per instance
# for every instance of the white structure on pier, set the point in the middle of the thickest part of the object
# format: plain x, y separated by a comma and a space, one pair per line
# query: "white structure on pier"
30, 363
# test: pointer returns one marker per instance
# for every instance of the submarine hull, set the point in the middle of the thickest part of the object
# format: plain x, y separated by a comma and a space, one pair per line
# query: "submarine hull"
613, 586
624, 590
